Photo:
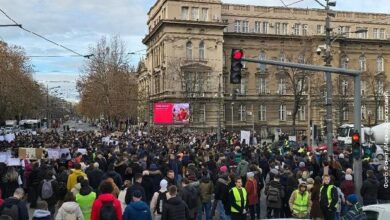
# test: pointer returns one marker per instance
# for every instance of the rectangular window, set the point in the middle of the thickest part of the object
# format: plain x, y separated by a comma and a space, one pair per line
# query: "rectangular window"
302, 113
282, 86
226, 28
237, 26
363, 88
345, 114
375, 33
284, 28
262, 87
380, 113
185, 13
245, 26
262, 113
277, 28
362, 35
243, 86
265, 27
202, 113
195, 13
257, 27
242, 113
362, 63
382, 33
282, 112
344, 87
297, 29
364, 112
204, 14
304, 29
379, 87
320, 29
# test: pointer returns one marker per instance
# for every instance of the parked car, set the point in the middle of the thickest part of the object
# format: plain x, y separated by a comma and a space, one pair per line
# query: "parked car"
377, 212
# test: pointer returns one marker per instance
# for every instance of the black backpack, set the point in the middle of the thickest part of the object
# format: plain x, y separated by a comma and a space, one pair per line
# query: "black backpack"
10, 212
193, 198
161, 199
107, 212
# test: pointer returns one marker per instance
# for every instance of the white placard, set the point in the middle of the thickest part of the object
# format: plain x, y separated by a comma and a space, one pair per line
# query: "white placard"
53, 153
31, 153
65, 151
106, 140
4, 157
83, 151
13, 162
2, 138
139, 133
292, 138
10, 137
245, 135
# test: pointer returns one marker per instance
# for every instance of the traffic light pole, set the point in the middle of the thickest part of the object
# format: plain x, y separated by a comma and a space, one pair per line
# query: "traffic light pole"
357, 162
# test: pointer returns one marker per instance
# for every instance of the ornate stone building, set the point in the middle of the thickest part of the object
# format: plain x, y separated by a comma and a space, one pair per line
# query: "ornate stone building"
188, 60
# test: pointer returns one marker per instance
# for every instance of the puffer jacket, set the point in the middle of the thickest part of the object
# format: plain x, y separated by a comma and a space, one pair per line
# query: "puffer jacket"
69, 209
278, 185
175, 208
369, 190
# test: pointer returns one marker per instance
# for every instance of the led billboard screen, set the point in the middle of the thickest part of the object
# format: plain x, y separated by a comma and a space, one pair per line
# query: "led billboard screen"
171, 113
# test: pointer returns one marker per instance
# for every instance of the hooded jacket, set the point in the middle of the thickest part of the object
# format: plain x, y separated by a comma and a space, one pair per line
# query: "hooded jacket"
41, 215
85, 199
23, 212
72, 179
69, 208
369, 190
98, 204
175, 208
355, 213
206, 189
137, 210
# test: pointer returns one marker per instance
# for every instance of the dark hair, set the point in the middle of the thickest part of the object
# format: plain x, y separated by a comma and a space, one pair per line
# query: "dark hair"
137, 176
237, 178
172, 190
84, 183
185, 181
370, 173
106, 187
42, 205
77, 166
80, 179
69, 197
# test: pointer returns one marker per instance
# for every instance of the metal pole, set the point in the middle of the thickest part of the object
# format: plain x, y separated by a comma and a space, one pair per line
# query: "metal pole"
47, 106
357, 163
253, 120
329, 86
219, 108
232, 114
308, 133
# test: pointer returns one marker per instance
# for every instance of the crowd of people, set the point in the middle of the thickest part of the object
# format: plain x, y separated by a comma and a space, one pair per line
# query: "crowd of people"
170, 174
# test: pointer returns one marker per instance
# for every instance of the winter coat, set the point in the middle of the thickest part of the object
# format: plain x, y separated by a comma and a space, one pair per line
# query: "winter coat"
98, 204
40, 214
175, 208
72, 179
324, 197
369, 190
85, 202
355, 213
316, 211
115, 176
53, 199
69, 208
206, 189
242, 168
137, 210
23, 211
347, 187
252, 190
221, 192
277, 204
95, 178
291, 202
132, 189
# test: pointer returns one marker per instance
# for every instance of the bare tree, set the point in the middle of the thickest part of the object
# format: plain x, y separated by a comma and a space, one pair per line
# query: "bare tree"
377, 84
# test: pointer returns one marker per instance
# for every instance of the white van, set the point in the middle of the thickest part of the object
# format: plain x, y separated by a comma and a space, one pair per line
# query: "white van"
377, 212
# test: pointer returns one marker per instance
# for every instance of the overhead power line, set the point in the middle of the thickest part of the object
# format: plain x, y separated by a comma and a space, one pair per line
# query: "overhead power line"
42, 37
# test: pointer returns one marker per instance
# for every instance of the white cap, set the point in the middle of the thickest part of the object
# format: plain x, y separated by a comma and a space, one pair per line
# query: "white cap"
250, 174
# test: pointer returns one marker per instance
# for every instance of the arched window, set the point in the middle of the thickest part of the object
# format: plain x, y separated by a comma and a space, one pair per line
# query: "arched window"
362, 63
380, 64
189, 50
201, 50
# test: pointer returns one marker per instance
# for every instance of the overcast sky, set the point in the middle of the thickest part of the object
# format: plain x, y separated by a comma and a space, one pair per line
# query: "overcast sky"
78, 24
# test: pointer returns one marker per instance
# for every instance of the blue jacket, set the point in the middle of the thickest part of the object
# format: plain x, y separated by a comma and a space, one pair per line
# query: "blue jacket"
137, 210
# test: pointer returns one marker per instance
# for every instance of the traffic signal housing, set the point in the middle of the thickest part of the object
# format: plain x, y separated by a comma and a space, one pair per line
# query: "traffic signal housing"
236, 66
356, 150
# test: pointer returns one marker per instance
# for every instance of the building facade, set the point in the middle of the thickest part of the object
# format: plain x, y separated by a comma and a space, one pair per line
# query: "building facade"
188, 60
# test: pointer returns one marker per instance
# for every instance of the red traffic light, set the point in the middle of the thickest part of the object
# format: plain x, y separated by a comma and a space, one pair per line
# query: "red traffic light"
237, 54
355, 137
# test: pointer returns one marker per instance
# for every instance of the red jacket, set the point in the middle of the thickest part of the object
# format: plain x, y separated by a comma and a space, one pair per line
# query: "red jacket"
347, 187
97, 205
251, 189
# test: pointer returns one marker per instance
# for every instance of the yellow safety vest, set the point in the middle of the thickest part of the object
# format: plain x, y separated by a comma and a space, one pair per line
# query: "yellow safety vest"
328, 194
301, 202
237, 198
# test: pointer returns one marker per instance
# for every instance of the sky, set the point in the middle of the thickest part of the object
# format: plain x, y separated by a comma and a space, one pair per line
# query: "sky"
79, 24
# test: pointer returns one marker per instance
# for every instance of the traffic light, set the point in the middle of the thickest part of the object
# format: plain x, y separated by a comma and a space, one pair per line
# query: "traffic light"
236, 66
356, 152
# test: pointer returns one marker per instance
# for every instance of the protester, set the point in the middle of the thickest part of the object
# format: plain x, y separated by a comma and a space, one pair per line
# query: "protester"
328, 198
10, 182
315, 211
85, 199
190, 196
175, 208
106, 206
69, 210
137, 209
122, 194
206, 188
76, 189
137, 186
72, 179
95, 176
221, 193
14, 207
252, 190
355, 211
238, 201
369, 190
158, 200
300, 202
42, 212
274, 194
48, 189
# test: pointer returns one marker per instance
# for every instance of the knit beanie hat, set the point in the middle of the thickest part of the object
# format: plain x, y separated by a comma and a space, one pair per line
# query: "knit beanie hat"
352, 198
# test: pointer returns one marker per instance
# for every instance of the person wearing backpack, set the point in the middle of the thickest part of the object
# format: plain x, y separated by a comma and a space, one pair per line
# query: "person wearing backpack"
106, 206
190, 195
158, 200
42, 212
206, 188
14, 207
137, 209
47, 192
69, 210
72, 179
175, 208
85, 199
274, 194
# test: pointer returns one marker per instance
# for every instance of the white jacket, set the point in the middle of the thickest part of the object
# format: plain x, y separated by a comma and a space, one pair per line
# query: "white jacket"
69, 209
